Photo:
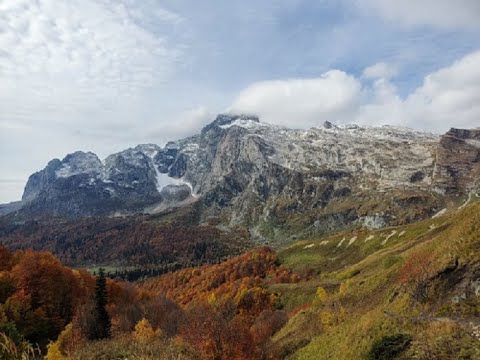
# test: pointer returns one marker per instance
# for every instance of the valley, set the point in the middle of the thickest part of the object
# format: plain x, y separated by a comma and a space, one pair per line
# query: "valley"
403, 288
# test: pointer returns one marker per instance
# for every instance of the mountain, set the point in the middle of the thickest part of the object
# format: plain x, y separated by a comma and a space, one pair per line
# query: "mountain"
374, 231
272, 180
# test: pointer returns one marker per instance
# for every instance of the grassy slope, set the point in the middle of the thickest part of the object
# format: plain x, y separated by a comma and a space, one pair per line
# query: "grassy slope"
363, 301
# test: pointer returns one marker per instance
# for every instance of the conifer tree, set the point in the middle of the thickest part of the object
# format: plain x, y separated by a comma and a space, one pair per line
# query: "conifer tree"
103, 321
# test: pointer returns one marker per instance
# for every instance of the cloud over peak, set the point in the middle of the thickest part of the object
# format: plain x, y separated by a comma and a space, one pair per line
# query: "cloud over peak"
301, 102
448, 97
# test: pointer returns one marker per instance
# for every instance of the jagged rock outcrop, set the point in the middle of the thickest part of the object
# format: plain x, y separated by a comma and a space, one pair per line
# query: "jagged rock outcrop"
457, 167
82, 185
267, 177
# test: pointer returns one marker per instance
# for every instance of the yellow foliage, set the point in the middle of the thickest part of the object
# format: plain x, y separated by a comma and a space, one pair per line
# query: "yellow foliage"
212, 299
54, 352
343, 288
321, 295
68, 341
333, 316
326, 318
144, 331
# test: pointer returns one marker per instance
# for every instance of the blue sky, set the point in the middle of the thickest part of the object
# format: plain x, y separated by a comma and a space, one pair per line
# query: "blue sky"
235, 45
103, 75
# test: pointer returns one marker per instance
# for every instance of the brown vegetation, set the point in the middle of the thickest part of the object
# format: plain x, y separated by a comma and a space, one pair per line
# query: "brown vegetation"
136, 246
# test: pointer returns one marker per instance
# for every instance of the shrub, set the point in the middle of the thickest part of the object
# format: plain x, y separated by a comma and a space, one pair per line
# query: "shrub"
389, 347
321, 295
9, 350
391, 260
144, 332
54, 352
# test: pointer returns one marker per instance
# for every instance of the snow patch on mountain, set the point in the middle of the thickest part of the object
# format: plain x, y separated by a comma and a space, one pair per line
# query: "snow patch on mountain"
440, 213
163, 179
64, 172
244, 123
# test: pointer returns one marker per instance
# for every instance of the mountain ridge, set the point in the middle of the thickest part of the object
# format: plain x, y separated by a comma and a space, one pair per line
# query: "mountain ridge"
254, 174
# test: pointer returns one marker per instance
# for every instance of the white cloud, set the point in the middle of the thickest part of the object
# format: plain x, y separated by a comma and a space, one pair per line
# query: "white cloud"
103, 75
11, 186
449, 97
65, 60
380, 70
301, 102
438, 13
384, 106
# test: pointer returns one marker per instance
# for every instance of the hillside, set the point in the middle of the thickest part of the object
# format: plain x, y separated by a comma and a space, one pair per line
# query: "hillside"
395, 293
129, 247
240, 180
410, 291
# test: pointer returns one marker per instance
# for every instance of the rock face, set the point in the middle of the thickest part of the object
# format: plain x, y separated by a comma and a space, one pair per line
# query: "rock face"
457, 169
82, 185
266, 177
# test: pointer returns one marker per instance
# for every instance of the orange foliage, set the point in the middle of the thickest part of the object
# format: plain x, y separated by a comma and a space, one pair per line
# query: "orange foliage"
217, 333
144, 331
143, 241
241, 279
43, 294
230, 314
226, 310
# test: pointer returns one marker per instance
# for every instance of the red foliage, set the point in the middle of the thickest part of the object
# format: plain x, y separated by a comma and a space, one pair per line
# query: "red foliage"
267, 324
217, 333
415, 274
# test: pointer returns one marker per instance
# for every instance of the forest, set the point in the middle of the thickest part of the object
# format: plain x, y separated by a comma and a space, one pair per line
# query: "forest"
129, 247
412, 292
219, 311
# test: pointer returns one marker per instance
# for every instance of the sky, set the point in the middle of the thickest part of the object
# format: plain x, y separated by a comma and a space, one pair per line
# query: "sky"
105, 75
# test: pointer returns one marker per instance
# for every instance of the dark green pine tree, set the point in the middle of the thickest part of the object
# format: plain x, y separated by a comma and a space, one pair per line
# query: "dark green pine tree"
103, 321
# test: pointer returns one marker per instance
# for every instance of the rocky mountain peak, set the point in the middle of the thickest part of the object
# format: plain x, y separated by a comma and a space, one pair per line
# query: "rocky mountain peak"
148, 149
328, 125
223, 120
79, 162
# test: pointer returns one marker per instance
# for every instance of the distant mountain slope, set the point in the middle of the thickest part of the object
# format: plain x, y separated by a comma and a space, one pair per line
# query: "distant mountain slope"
131, 247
